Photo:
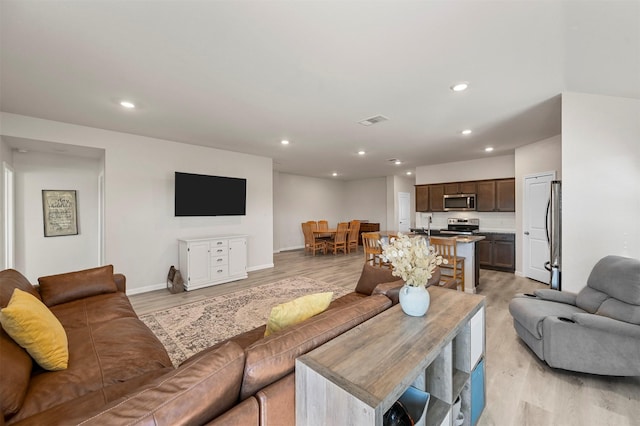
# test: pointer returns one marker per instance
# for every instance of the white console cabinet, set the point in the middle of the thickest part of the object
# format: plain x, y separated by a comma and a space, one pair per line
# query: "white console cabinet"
215, 260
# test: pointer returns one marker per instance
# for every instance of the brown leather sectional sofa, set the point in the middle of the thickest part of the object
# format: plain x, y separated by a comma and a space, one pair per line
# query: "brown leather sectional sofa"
119, 373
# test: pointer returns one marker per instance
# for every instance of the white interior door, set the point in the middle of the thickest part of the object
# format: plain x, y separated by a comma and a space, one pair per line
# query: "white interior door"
404, 214
537, 190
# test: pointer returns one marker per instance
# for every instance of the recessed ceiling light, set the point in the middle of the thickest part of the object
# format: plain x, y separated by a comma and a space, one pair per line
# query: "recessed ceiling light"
466, 132
284, 142
361, 152
459, 87
397, 162
489, 149
127, 104
334, 174
409, 173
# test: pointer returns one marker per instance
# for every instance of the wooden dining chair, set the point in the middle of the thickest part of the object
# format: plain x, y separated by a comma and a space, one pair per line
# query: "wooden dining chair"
452, 273
323, 225
354, 235
339, 241
372, 248
311, 243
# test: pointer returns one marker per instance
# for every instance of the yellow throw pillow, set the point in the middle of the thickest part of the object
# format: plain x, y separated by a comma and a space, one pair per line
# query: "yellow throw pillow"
32, 325
296, 311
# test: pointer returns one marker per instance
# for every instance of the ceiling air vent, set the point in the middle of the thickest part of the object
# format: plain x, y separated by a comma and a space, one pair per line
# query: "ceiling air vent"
373, 120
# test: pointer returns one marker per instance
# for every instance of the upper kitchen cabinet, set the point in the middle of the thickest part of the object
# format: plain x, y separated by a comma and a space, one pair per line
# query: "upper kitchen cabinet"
460, 188
496, 195
422, 198
436, 198
506, 195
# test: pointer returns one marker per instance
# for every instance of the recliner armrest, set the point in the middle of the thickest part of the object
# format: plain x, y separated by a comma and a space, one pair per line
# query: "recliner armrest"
556, 296
606, 324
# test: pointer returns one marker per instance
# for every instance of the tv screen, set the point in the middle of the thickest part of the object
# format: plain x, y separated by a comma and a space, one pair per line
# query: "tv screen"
202, 195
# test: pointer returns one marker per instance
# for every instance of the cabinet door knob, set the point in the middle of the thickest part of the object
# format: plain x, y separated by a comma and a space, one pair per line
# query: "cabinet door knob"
526, 232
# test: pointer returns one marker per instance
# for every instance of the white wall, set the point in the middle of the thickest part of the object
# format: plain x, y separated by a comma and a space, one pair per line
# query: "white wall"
6, 156
460, 171
302, 198
600, 182
538, 157
366, 199
37, 255
141, 231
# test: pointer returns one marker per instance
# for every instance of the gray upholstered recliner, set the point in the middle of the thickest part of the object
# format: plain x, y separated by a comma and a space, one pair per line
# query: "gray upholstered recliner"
595, 331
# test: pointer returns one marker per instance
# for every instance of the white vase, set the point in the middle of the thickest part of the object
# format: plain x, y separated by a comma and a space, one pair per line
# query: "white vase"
414, 300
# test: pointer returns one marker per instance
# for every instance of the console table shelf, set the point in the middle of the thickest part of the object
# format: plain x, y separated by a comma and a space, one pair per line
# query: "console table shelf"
356, 377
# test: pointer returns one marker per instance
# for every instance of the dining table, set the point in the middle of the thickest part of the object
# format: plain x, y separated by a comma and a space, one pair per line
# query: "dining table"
319, 233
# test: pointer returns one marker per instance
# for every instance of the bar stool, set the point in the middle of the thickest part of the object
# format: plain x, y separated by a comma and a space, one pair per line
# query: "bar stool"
452, 274
372, 249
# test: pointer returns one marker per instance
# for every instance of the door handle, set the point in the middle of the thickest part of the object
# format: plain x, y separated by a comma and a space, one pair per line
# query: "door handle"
526, 232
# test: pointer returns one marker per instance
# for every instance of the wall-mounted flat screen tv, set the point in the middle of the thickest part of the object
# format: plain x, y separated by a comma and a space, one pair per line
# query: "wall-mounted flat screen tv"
203, 195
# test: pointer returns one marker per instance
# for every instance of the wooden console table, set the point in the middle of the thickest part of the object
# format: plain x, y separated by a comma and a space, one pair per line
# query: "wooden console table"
356, 377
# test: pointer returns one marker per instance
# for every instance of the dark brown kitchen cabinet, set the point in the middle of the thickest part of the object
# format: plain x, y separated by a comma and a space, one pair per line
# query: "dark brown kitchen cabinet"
436, 194
422, 198
496, 195
486, 196
497, 251
506, 195
459, 188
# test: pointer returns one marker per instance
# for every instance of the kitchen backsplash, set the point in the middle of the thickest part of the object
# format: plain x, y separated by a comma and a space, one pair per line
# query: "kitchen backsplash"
489, 222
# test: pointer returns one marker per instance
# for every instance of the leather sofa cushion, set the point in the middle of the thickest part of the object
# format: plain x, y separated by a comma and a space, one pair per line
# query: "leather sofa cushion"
11, 279
93, 310
16, 366
15, 362
93, 402
371, 276
195, 393
97, 358
274, 357
62, 288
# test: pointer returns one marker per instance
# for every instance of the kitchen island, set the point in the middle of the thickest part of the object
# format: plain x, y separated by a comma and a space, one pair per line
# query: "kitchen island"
467, 247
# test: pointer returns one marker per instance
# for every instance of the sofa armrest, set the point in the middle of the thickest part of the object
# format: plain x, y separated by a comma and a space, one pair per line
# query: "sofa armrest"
121, 282
556, 296
278, 402
608, 325
245, 413
390, 289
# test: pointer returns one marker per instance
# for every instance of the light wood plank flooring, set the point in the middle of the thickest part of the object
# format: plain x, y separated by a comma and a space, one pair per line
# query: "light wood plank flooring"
521, 390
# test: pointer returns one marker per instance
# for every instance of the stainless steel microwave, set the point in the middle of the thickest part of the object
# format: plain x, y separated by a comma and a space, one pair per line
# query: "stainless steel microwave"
459, 202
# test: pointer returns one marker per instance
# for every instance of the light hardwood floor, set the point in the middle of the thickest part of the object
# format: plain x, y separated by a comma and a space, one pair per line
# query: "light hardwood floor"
521, 390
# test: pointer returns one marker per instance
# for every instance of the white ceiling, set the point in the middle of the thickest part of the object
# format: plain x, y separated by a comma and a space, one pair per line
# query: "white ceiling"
242, 75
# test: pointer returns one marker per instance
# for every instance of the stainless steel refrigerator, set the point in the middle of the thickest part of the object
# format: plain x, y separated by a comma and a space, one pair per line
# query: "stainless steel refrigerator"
553, 225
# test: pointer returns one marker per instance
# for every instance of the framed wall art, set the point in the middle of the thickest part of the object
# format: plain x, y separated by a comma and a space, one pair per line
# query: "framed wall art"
59, 210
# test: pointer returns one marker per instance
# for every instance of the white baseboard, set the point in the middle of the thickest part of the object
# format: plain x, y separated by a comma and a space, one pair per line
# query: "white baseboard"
259, 267
519, 274
145, 289
291, 248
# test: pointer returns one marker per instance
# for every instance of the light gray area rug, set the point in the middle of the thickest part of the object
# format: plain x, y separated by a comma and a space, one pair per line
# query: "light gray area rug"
187, 329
